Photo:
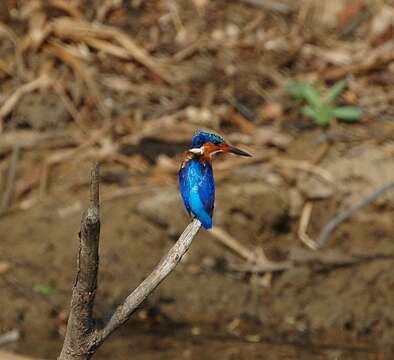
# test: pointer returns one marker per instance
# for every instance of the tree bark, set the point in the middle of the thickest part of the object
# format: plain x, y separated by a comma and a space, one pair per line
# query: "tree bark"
80, 326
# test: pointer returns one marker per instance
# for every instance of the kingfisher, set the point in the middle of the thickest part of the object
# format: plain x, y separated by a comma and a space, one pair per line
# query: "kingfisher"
196, 181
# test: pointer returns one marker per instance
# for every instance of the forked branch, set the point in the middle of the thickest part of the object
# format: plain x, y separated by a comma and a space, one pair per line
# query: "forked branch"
83, 337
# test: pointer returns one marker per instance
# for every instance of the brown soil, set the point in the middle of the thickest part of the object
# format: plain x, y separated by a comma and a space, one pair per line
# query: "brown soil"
204, 310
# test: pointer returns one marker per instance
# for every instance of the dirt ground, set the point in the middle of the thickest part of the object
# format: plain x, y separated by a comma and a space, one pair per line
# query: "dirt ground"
205, 310
231, 63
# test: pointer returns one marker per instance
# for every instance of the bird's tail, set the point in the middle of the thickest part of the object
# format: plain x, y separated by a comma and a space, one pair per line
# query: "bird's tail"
206, 220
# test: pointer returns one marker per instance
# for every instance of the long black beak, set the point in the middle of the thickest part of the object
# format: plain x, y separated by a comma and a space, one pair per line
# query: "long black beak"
237, 151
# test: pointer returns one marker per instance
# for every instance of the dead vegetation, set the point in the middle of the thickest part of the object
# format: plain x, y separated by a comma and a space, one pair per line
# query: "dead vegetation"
127, 83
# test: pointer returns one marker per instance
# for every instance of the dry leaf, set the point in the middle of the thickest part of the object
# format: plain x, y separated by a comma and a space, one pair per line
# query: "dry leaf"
4, 267
271, 111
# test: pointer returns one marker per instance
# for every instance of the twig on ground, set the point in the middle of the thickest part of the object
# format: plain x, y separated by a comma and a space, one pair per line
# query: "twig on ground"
10, 183
321, 153
78, 30
9, 104
304, 222
71, 108
231, 243
189, 50
255, 260
59, 50
9, 32
346, 214
82, 336
317, 260
272, 5
300, 256
378, 57
105, 8
10, 336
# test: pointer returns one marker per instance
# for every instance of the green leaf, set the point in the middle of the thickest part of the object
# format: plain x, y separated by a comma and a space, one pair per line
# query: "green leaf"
308, 111
312, 96
335, 90
324, 115
44, 289
301, 91
348, 113
296, 90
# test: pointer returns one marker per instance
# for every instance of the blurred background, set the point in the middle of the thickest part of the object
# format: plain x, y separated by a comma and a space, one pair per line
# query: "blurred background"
307, 86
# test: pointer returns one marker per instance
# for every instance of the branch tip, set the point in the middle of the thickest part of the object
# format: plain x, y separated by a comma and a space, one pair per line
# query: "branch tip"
95, 186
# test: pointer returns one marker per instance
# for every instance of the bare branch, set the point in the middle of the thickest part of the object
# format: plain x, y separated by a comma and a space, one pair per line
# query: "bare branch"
82, 336
80, 323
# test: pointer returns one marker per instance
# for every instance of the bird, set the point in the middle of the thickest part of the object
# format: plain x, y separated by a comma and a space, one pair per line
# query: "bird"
196, 180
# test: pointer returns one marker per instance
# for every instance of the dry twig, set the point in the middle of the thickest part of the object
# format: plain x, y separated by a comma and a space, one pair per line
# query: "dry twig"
318, 260
10, 336
329, 228
256, 261
376, 58
228, 241
41, 82
93, 33
58, 49
10, 184
346, 214
271, 5
83, 337
304, 222
8, 32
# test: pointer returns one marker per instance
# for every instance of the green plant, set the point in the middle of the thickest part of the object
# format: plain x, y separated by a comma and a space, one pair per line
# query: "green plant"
322, 109
43, 289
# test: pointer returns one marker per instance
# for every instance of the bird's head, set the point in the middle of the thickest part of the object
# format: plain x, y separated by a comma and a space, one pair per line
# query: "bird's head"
206, 144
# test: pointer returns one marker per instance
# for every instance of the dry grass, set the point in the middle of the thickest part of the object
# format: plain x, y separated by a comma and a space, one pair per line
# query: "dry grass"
127, 73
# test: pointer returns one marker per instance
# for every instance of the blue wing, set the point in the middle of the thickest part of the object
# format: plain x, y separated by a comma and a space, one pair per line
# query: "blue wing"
206, 189
184, 186
198, 190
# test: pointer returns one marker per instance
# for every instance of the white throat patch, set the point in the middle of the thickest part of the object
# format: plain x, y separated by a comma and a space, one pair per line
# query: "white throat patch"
197, 151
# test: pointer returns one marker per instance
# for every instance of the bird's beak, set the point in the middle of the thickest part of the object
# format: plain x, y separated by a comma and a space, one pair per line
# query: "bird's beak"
237, 151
